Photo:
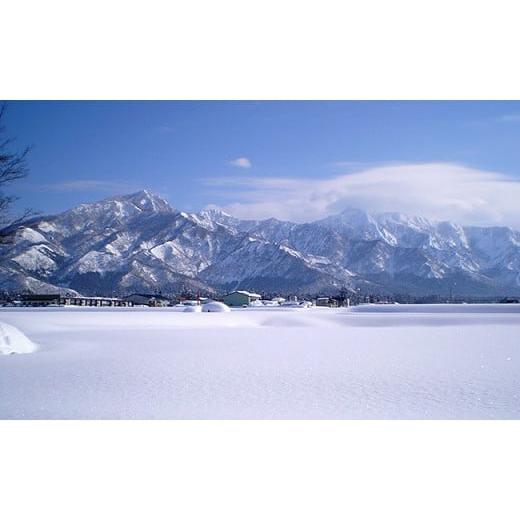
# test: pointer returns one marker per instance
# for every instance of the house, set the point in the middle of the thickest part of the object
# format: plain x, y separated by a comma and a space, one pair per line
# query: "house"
152, 300
45, 300
510, 300
326, 302
240, 298
40, 300
94, 301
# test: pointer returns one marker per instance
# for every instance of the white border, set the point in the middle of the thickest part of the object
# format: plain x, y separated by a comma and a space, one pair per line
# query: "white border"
231, 49
260, 469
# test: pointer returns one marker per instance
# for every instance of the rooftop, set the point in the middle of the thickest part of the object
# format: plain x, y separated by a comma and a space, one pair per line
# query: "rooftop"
247, 293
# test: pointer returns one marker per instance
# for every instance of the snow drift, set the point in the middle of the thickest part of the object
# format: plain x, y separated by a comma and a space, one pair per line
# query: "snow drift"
13, 341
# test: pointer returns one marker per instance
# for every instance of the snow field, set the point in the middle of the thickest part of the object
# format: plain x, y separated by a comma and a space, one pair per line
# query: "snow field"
449, 362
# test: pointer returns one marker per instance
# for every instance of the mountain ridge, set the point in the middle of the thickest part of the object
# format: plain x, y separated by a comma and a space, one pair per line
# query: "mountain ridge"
140, 243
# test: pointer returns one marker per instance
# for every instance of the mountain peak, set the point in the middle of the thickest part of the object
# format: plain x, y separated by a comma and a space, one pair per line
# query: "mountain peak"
214, 212
147, 201
349, 217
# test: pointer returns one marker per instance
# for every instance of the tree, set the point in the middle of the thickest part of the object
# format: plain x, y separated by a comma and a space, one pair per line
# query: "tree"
13, 166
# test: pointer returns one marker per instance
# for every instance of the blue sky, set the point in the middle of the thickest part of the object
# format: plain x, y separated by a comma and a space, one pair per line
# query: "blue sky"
252, 157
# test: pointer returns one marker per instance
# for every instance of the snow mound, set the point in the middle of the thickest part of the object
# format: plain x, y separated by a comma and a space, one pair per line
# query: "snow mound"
191, 308
215, 307
13, 341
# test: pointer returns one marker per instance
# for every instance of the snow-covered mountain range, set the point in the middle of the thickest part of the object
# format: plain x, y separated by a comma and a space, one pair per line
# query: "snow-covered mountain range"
139, 243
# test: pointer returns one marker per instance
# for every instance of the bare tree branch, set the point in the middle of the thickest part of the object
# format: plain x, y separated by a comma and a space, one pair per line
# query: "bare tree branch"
13, 166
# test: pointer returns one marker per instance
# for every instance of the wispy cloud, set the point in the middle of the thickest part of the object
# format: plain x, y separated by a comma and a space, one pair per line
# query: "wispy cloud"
91, 185
509, 118
440, 191
241, 162
351, 166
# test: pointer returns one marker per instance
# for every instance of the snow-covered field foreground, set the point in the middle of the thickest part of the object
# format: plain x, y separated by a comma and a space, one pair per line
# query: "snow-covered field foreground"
429, 361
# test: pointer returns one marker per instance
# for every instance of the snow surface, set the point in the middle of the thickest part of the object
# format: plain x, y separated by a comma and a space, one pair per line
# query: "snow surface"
394, 361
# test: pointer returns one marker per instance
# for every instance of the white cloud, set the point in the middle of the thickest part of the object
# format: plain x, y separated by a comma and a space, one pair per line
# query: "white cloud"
241, 162
440, 191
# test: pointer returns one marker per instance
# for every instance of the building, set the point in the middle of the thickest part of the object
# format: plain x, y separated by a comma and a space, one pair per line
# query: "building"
45, 300
326, 302
152, 300
240, 298
40, 300
94, 301
510, 300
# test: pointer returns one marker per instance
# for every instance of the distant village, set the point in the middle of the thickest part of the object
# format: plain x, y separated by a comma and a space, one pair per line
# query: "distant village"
236, 299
